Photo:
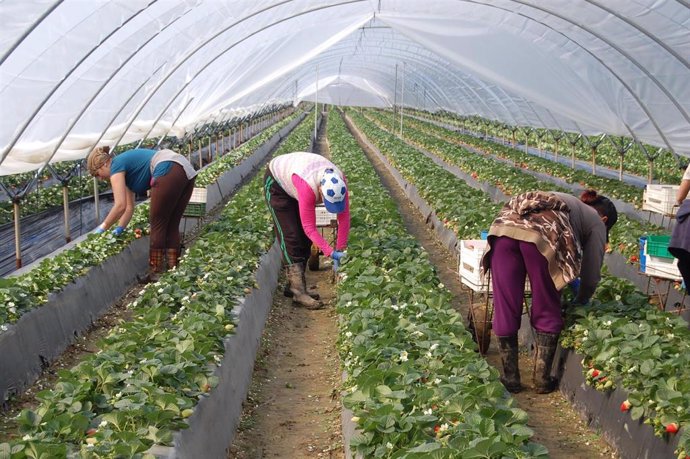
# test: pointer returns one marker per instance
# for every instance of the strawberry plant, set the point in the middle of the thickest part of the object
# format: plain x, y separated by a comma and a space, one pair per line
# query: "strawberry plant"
415, 383
151, 371
627, 343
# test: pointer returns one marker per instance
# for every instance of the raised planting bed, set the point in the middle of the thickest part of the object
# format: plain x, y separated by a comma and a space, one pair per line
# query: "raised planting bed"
150, 374
79, 282
525, 335
216, 417
415, 385
42, 334
152, 378
602, 411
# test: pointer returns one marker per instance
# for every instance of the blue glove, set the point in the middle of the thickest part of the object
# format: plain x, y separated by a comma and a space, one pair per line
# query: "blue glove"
99, 230
337, 257
118, 230
575, 286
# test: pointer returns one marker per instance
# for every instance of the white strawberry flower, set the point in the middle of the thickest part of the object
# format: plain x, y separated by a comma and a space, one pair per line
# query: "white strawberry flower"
403, 356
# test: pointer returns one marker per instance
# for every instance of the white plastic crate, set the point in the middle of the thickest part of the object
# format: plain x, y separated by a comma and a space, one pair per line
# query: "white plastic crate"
666, 268
198, 195
471, 253
660, 199
324, 217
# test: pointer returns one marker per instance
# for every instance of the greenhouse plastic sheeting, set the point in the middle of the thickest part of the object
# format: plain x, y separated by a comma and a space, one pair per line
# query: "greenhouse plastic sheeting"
76, 73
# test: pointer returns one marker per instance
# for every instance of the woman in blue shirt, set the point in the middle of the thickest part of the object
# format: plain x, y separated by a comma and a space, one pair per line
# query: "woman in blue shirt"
168, 175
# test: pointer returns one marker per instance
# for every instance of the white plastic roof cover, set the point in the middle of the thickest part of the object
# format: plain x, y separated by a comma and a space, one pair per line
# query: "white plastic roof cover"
77, 72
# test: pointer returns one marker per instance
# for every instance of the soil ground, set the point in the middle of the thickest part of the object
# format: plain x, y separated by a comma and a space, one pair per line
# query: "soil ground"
293, 407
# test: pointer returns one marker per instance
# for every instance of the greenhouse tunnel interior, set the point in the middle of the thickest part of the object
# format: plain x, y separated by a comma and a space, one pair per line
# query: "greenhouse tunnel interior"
79, 73
209, 77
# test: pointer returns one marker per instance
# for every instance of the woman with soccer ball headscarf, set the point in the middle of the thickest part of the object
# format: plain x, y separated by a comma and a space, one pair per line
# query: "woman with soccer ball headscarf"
293, 185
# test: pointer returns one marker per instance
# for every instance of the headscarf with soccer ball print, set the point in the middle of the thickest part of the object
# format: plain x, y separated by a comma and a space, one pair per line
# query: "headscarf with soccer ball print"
334, 191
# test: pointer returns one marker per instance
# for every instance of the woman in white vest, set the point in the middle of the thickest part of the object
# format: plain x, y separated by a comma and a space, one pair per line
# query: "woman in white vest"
293, 186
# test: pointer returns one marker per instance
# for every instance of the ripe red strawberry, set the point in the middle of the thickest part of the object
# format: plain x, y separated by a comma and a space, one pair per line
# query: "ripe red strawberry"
672, 428
595, 373
625, 406
91, 432
437, 428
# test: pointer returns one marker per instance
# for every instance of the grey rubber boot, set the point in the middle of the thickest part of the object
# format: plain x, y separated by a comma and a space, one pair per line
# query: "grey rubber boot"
543, 361
295, 275
508, 349
288, 292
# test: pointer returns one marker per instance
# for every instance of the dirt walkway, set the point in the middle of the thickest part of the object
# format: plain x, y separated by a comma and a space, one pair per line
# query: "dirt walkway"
293, 407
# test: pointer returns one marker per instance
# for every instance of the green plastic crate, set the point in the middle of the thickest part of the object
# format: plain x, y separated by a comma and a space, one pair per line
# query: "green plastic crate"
195, 209
657, 246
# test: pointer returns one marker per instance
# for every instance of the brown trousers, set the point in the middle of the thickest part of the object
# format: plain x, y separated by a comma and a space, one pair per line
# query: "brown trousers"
295, 246
169, 197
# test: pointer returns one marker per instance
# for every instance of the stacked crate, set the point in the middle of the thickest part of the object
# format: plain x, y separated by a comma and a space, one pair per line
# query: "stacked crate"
660, 199
658, 261
196, 208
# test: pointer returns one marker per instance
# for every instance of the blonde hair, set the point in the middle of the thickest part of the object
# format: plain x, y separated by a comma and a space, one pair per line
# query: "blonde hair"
97, 158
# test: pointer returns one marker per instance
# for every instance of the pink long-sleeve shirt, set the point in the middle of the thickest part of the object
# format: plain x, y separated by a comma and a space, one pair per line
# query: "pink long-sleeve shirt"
307, 213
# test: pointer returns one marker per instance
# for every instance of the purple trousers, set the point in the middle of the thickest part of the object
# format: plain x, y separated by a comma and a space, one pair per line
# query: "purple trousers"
511, 260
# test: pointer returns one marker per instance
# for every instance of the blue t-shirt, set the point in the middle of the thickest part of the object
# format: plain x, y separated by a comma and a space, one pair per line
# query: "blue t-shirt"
136, 166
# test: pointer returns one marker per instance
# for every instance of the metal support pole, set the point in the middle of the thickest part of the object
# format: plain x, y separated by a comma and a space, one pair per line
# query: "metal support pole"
65, 204
402, 99
201, 159
17, 236
316, 102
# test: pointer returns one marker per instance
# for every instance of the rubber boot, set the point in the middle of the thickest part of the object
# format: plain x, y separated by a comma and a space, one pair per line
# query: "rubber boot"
156, 264
288, 293
543, 361
314, 295
295, 274
172, 256
508, 349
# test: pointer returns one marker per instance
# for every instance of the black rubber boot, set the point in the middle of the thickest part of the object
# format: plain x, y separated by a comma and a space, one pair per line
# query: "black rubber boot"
508, 349
543, 361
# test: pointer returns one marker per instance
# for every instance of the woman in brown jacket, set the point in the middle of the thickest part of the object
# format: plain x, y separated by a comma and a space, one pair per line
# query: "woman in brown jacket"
553, 238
